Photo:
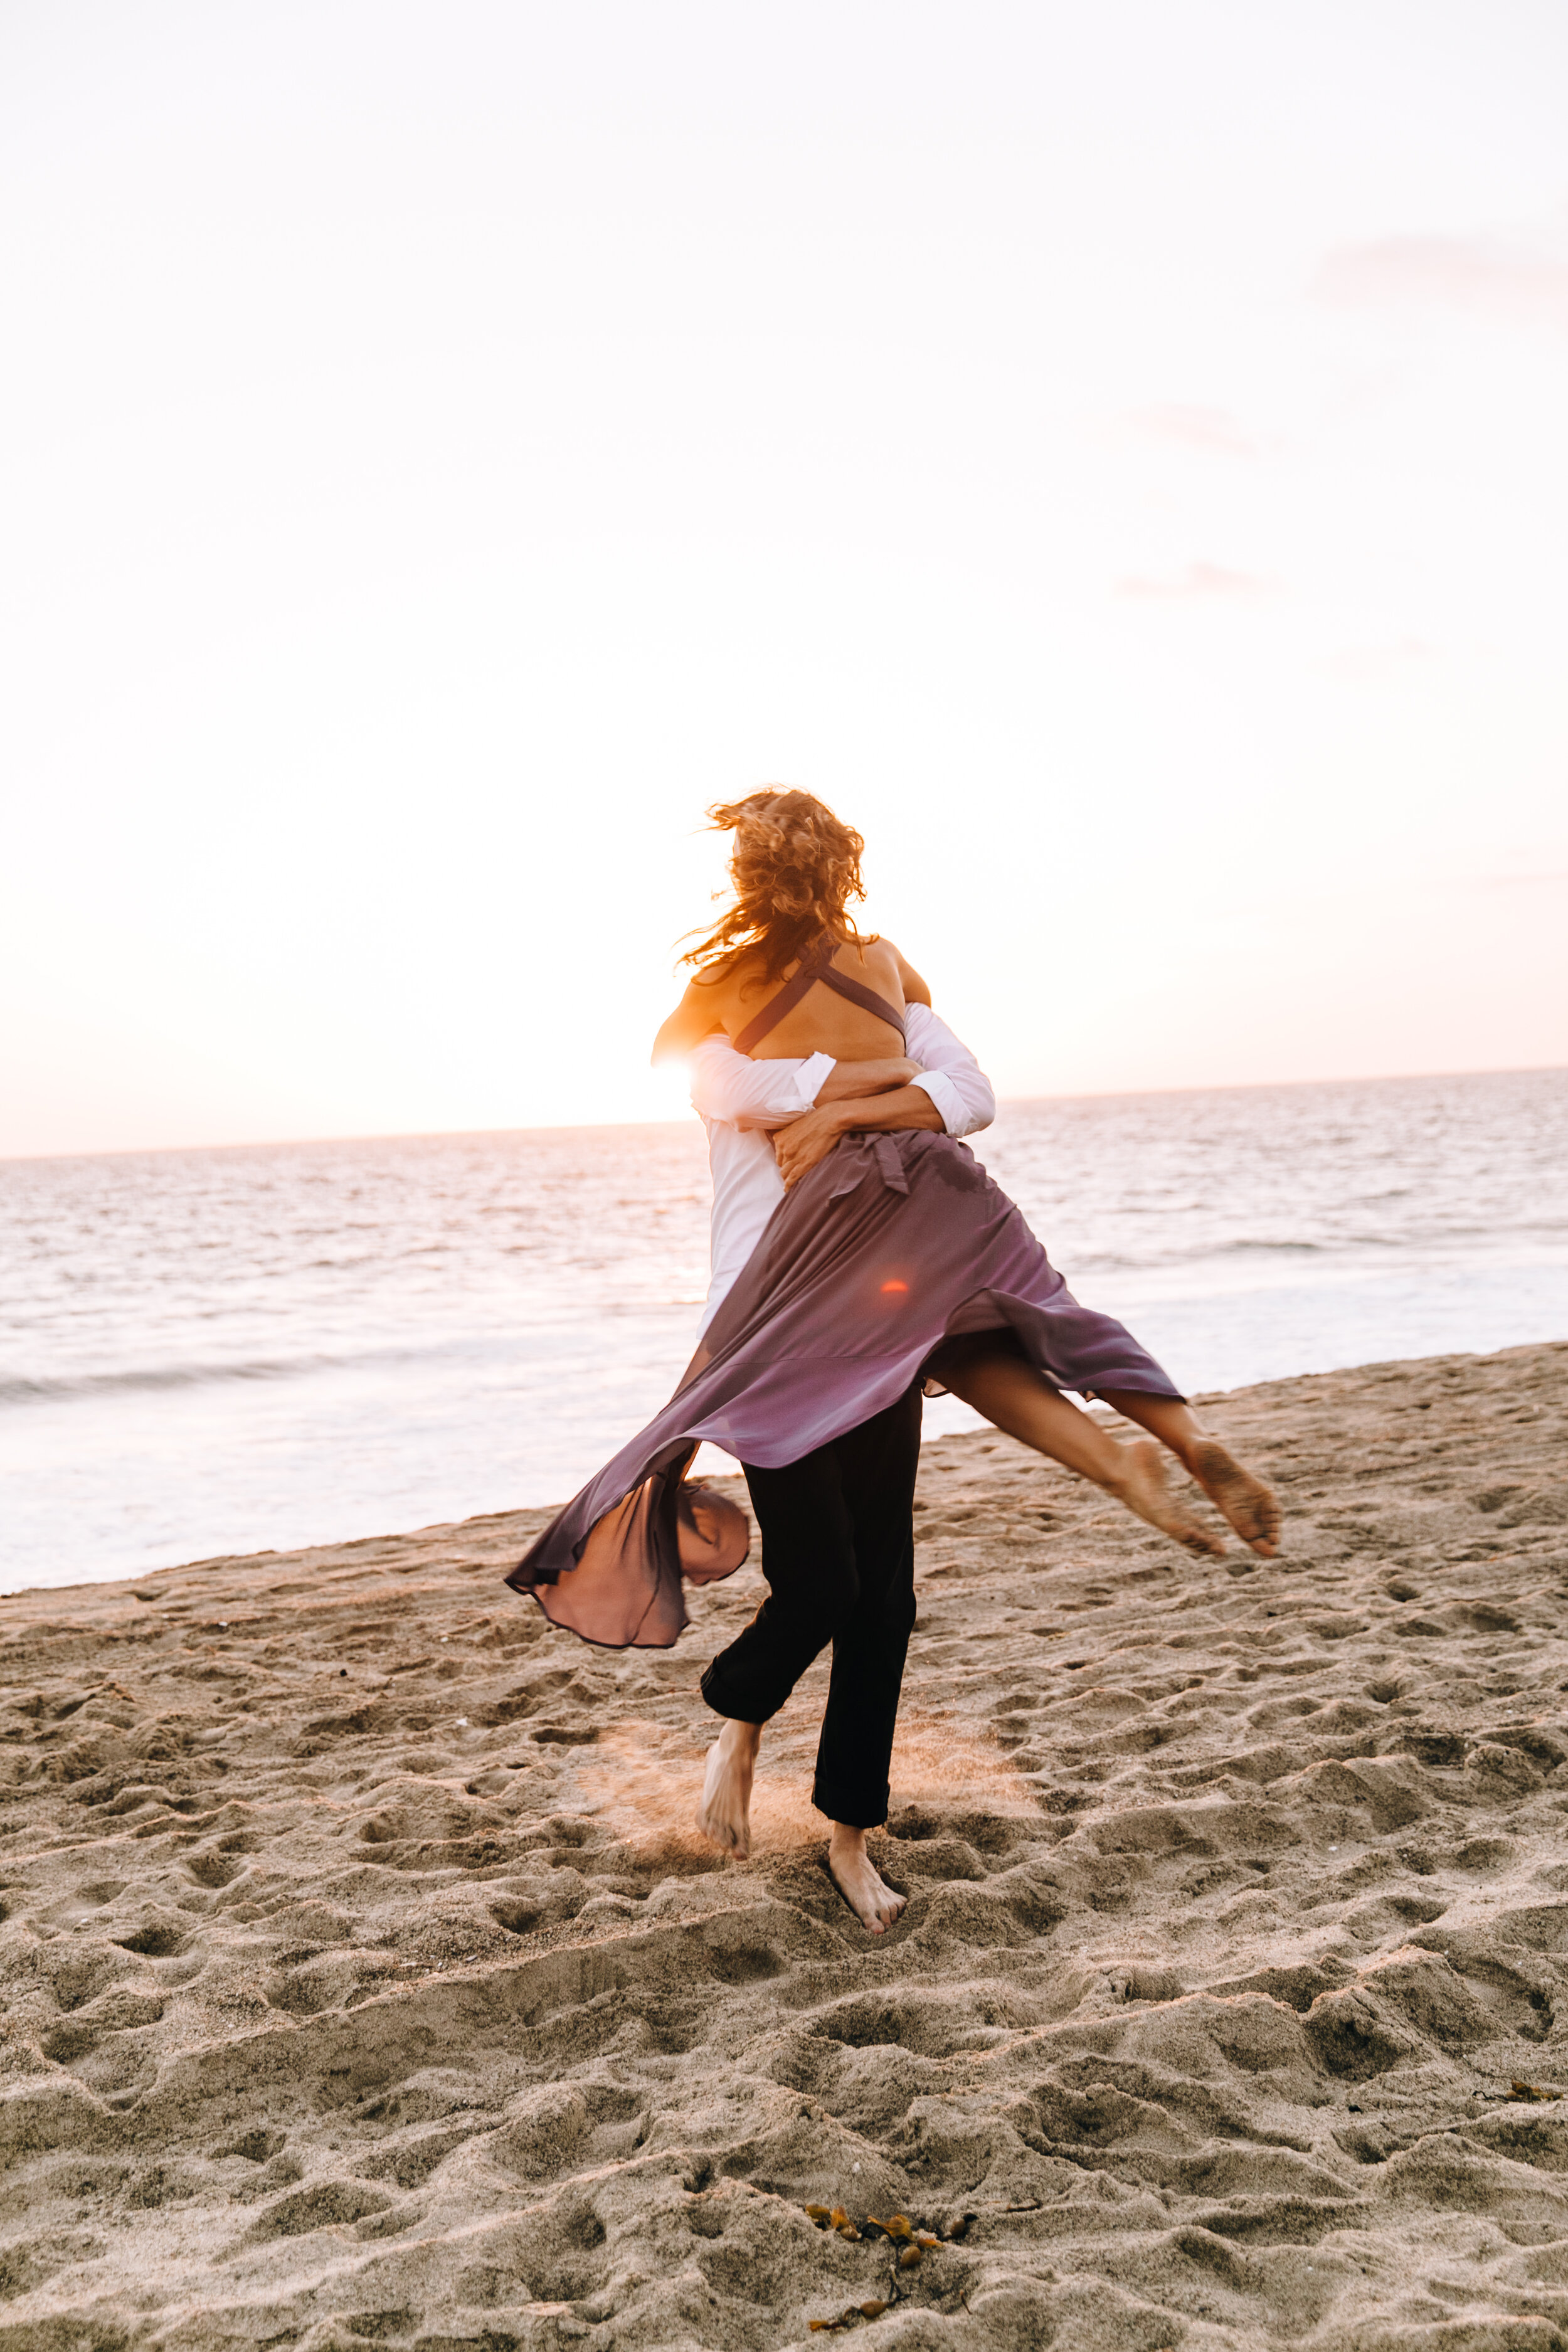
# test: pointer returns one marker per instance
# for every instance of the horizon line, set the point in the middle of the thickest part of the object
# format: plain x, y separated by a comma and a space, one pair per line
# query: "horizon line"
602, 1126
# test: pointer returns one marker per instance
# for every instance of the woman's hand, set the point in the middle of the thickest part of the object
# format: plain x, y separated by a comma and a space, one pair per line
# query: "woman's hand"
806, 1141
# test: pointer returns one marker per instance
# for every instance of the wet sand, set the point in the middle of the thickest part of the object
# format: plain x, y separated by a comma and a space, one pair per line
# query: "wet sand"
364, 1982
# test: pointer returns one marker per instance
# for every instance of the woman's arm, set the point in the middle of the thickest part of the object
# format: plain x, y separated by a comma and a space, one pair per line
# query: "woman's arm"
914, 988
695, 1017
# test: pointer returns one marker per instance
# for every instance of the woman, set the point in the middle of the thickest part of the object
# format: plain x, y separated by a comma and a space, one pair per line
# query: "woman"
893, 1260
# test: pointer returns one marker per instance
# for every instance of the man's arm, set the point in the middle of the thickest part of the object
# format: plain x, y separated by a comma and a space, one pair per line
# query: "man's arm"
742, 1093
949, 1091
856, 1080
949, 1073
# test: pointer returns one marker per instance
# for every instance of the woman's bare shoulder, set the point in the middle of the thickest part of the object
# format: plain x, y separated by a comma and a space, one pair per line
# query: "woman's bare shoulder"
902, 971
743, 981
699, 1012
867, 958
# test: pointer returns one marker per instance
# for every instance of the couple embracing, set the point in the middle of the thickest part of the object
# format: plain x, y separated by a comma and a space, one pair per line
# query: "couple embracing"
861, 1257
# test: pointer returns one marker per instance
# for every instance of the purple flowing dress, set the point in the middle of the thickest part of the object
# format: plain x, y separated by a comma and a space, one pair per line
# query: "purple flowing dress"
894, 1248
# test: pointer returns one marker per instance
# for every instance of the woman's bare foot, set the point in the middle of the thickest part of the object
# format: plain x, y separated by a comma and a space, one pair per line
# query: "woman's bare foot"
726, 1814
1141, 1485
1252, 1508
852, 1871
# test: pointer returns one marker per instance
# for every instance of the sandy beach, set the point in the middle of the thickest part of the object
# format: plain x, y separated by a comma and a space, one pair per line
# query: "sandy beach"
365, 1983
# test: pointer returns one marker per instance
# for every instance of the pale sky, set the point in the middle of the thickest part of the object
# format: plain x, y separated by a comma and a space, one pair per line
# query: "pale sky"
1115, 455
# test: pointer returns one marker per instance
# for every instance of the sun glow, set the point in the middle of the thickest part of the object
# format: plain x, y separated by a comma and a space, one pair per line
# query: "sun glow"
1113, 456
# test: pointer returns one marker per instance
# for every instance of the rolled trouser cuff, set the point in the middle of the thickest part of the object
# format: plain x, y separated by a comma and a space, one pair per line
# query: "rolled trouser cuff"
857, 1808
744, 1699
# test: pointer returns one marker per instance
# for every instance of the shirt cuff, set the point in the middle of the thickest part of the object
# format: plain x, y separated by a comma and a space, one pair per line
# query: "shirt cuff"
811, 1076
945, 1096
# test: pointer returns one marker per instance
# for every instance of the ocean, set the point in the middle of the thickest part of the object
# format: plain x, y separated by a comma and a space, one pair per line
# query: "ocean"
253, 1348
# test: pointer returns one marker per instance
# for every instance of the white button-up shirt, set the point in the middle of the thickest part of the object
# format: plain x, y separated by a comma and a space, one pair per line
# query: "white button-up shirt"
739, 1102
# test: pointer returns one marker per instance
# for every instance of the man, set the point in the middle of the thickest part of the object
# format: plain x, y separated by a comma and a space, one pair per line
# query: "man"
837, 1526
745, 1104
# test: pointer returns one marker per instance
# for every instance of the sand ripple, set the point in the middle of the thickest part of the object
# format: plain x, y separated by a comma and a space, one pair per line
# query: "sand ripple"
364, 1982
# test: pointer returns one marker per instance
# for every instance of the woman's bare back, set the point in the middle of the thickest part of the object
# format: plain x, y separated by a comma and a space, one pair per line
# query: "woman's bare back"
822, 1022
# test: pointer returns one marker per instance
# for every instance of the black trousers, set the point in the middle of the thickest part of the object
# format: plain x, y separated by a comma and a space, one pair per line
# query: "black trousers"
838, 1554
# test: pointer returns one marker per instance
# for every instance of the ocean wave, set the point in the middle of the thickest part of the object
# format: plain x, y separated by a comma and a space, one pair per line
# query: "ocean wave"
1435, 1245
1204, 1253
46, 1391
480, 1355
1246, 1248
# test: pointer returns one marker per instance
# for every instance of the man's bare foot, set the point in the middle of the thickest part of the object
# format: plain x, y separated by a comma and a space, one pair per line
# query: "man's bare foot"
1141, 1485
852, 1871
726, 1814
1252, 1508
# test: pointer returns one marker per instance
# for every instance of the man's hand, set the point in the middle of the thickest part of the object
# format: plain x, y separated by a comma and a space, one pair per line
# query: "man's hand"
806, 1141
799, 1146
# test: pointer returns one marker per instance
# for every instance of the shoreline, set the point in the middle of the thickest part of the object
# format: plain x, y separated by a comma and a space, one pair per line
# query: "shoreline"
526, 1519
360, 1960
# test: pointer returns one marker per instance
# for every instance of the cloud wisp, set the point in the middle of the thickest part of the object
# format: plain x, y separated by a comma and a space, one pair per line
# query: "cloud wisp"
1379, 665
1200, 583
1478, 274
1213, 430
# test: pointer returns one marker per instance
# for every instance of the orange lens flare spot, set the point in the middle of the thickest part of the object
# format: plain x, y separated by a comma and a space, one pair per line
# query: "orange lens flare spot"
887, 1287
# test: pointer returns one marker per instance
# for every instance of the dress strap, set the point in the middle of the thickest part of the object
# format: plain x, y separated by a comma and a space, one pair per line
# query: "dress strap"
809, 972
866, 998
817, 964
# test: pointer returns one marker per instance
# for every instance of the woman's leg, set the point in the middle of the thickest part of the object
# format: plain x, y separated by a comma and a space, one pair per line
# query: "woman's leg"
1001, 1383
1252, 1508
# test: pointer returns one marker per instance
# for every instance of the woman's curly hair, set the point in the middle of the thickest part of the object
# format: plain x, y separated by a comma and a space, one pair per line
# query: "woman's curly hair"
795, 869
